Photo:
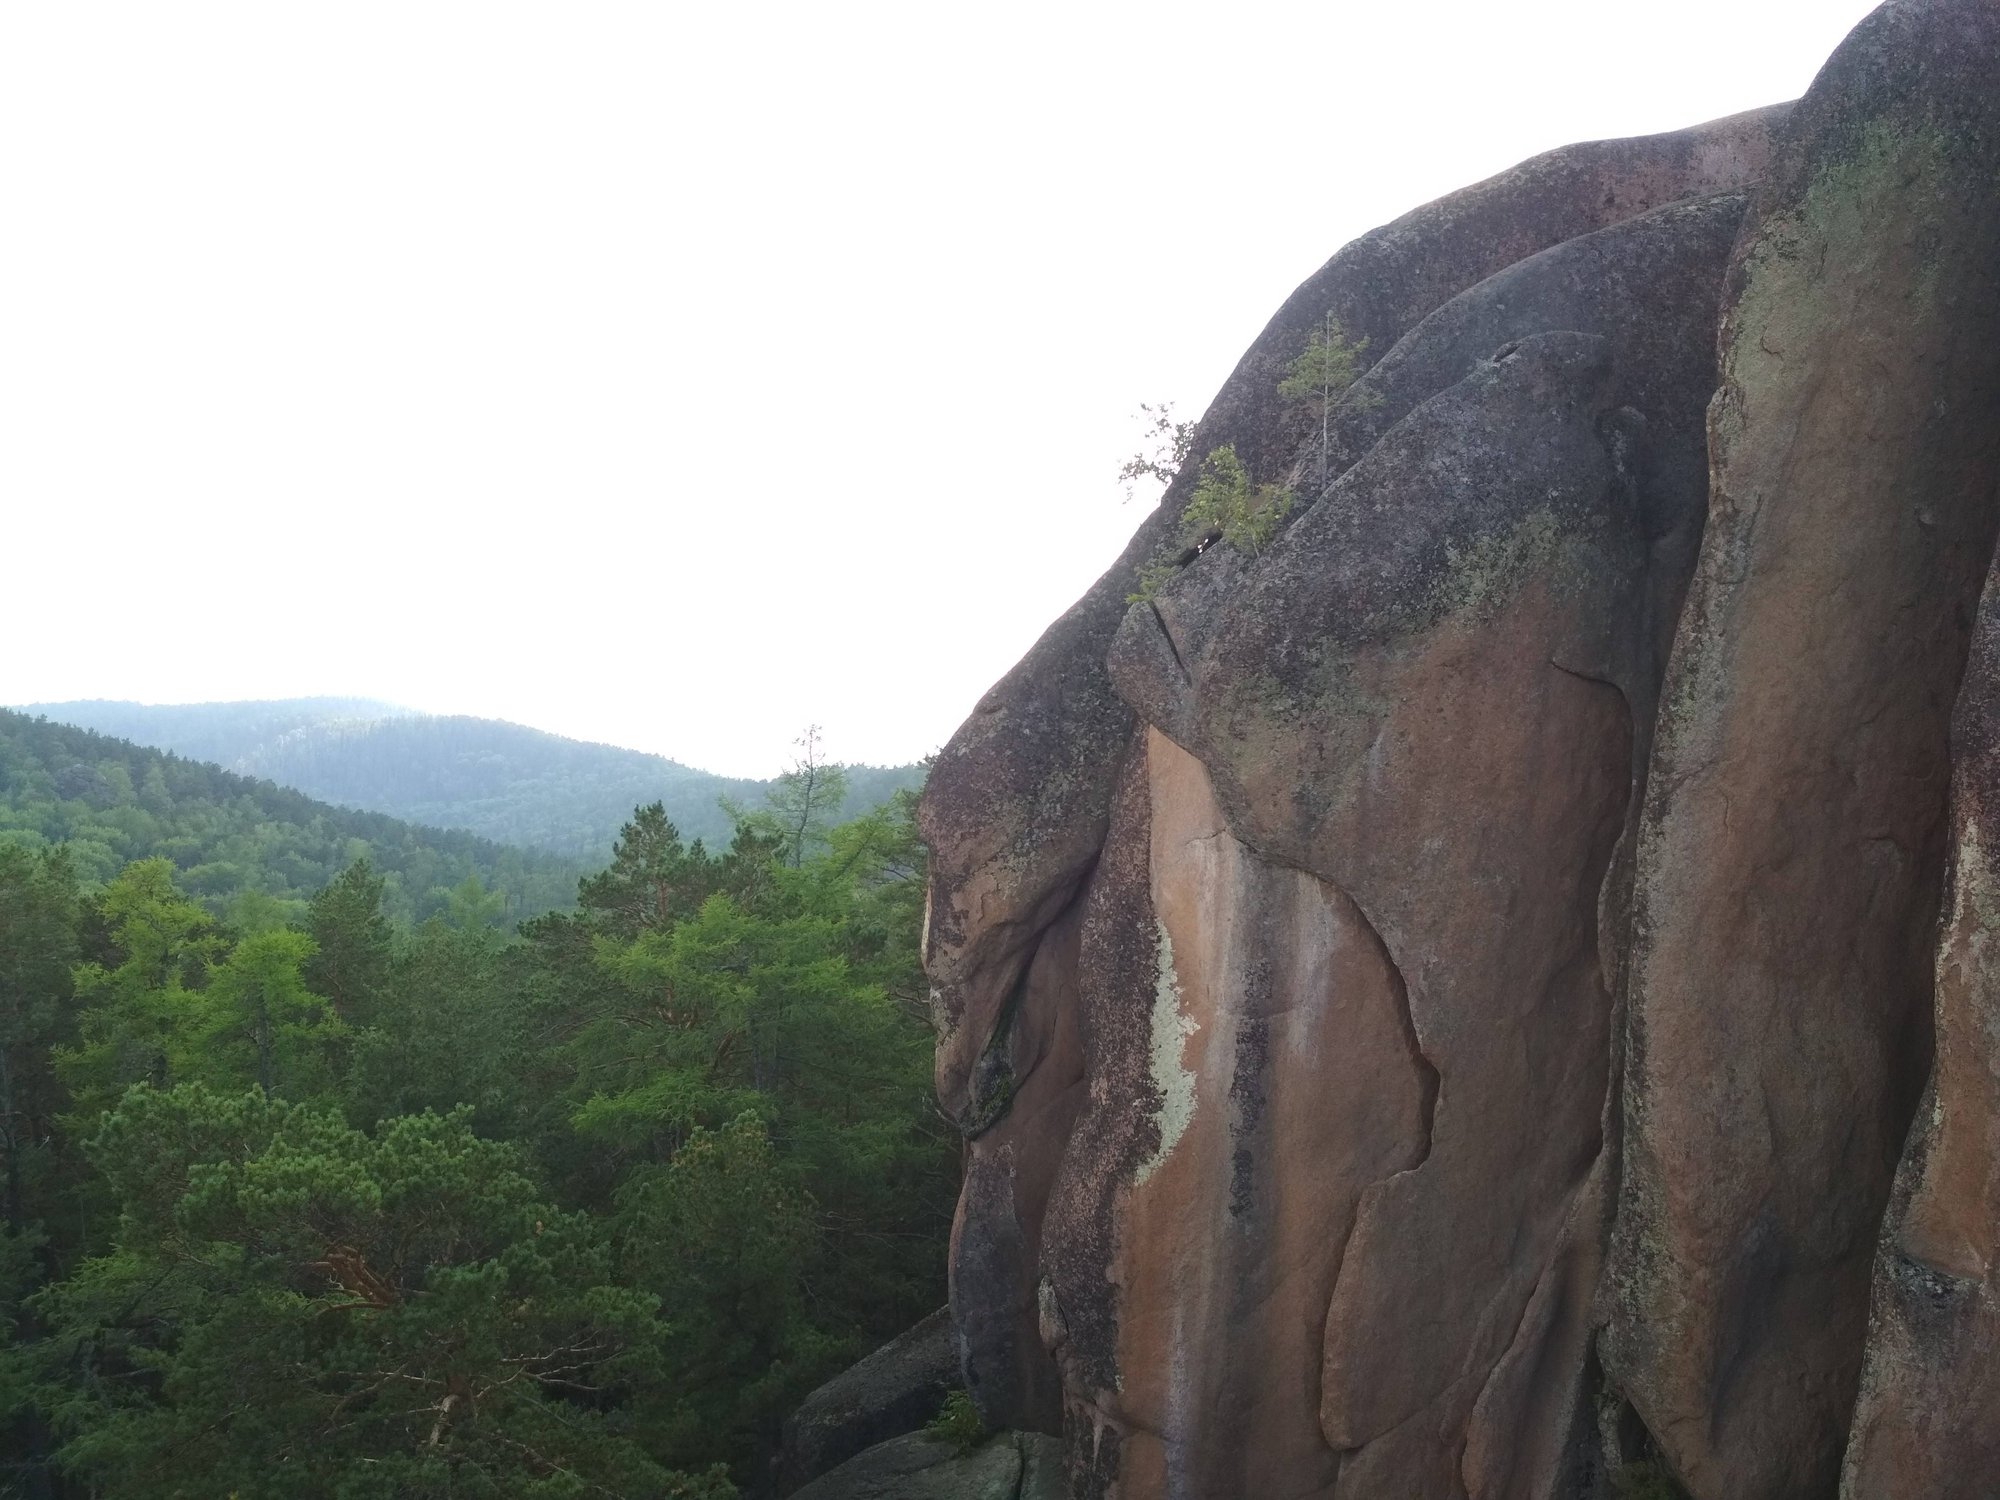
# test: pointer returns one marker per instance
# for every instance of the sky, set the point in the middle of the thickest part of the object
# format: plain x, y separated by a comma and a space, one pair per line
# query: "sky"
679, 375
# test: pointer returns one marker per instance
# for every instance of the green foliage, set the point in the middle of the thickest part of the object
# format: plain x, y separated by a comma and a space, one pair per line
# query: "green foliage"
291, 1308
138, 1016
182, 1002
470, 907
1322, 374
257, 1017
40, 916
1328, 365
1224, 506
368, 1212
718, 1234
21, 1254
1164, 448
654, 880
351, 943
788, 999
1227, 505
112, 803
958, 1423
1153, 577
446, 1033
502, 781
801, 805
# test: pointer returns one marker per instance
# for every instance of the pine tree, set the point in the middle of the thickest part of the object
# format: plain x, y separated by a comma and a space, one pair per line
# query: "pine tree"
1322, 374
40, 911
293, 1310
351, 942
137, 1014
806, 799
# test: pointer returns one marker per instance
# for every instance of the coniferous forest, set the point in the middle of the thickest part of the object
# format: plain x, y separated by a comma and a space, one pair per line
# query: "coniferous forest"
321, 1182
506, 782
233, 839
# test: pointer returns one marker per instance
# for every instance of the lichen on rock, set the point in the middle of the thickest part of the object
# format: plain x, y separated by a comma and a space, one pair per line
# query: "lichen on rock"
1174, 1083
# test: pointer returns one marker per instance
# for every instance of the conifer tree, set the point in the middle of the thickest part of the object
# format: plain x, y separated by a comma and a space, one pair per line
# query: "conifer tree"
1322, 373
351, 943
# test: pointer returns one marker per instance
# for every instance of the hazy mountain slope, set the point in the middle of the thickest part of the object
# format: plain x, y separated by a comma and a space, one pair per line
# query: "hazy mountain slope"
502, 781
219, 732
113, 802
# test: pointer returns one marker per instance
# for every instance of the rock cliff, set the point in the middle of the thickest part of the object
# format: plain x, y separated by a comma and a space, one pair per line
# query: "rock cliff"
1438, 1007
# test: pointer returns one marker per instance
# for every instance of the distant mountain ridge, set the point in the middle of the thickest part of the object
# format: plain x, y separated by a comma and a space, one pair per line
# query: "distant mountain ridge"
112, 801
503, 781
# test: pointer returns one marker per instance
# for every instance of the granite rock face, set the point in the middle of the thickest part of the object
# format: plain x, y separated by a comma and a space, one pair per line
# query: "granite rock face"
1930, 1386
1480, 668
1018, 803
1435, 1007
1792, 846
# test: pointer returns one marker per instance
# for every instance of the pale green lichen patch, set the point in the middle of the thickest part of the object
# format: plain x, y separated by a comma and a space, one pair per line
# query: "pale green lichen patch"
1174, 1081
1892, 175
1834, 286
1965, 951
1975, 903
1480, 575
1484, 572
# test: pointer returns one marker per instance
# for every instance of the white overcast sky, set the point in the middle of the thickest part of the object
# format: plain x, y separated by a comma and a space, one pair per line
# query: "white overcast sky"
677, 375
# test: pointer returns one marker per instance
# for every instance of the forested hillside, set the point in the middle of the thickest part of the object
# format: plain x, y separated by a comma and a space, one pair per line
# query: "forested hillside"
339, 1209
502, 781
220, 732
230, 838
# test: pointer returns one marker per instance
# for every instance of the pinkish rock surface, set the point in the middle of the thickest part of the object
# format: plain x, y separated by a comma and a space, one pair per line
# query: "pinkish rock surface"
1930, 1387
1017, 807
1435, 1004
1792, 848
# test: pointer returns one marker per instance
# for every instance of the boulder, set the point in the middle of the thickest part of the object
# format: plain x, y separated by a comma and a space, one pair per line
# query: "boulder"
895, 1390
1011, 1466
1791, 850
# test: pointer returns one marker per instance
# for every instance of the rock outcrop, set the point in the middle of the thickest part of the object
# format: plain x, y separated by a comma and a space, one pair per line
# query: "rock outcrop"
1011, 1466
1018, 803
896, 1390
1435, 1006
1930, 1390
1792, 845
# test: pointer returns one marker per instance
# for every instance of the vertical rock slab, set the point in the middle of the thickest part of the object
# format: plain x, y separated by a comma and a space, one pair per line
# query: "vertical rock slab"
1009, 1166
1413, 703
1018, 804
1118, 973
1418, 708
1925, 1423
1791, 850
1283, 1081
